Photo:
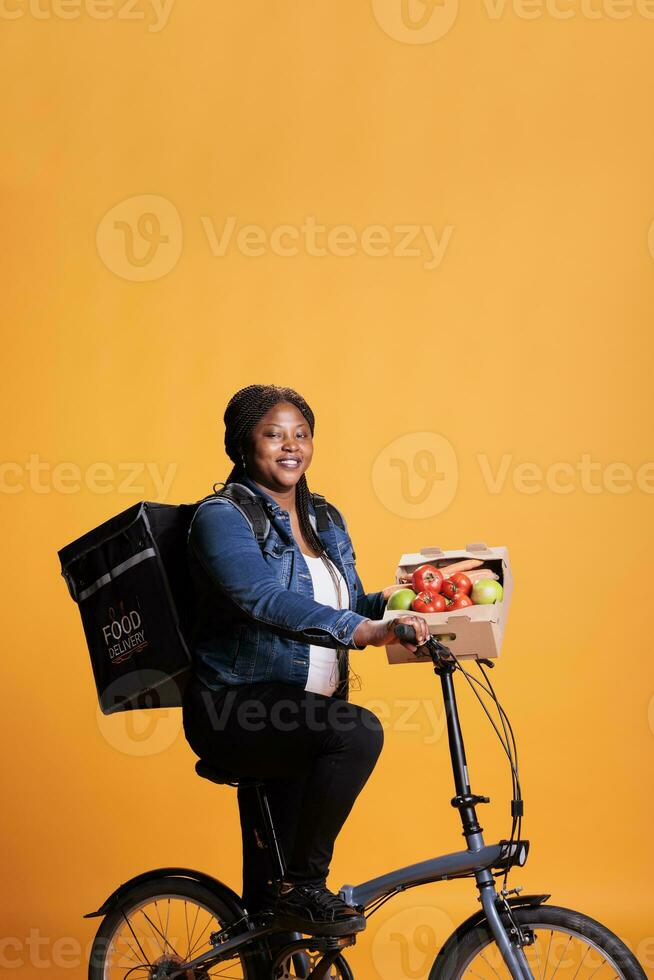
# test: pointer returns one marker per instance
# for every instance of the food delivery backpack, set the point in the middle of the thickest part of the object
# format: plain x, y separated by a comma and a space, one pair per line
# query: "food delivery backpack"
130, 579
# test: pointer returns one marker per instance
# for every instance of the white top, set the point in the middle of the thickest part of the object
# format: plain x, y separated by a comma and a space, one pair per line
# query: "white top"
323, 661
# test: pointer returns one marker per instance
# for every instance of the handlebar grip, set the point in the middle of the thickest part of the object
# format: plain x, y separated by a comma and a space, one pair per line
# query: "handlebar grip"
405, 632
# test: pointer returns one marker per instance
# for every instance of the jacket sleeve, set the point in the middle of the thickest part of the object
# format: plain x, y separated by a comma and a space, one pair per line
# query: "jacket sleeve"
370, 605
222, 540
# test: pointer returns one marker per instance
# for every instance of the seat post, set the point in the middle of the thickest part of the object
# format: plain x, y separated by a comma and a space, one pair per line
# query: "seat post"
274, 847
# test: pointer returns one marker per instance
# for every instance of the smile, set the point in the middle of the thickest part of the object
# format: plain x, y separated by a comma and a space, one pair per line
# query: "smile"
289, 464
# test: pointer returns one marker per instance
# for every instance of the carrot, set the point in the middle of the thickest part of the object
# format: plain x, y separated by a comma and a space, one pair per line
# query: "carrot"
481, 573
460, 566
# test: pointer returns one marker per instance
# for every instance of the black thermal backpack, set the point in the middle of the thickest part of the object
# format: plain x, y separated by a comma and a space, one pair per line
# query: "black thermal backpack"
130, 579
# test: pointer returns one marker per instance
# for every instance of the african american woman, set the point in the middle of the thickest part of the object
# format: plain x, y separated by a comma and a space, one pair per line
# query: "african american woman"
274, 622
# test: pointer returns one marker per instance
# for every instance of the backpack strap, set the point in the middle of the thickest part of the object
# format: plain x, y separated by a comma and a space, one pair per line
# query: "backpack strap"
251, 506
325, 510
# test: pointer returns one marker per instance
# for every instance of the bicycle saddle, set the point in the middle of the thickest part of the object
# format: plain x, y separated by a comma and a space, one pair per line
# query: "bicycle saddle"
207, 771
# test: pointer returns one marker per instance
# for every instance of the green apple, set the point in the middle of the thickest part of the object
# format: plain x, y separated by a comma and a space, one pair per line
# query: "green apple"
401, 599
485, 591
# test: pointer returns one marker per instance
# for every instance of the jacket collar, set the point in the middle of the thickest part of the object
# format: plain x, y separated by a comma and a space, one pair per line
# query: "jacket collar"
271, 504
327, 537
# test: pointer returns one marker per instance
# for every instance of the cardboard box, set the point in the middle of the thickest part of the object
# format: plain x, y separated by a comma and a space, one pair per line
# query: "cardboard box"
473, 632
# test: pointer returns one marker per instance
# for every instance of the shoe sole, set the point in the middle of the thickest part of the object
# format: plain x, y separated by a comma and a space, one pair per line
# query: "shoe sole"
342, 927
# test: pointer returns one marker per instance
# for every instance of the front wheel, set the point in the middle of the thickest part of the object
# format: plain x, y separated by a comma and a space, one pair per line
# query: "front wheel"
566, 944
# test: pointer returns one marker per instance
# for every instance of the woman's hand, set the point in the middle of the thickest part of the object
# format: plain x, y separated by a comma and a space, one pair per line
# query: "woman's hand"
381, 632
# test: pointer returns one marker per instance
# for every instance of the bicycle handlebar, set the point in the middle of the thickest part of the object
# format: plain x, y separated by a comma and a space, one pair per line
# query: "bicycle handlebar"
405, 632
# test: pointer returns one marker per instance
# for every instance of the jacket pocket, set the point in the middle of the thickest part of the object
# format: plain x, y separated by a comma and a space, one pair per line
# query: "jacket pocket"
276, 557
245, 656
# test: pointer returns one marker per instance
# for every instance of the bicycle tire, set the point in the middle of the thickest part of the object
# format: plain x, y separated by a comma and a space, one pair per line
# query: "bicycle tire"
462, 947
253, 963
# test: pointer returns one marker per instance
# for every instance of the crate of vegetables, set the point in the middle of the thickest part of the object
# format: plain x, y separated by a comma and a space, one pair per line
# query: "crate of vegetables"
463, 595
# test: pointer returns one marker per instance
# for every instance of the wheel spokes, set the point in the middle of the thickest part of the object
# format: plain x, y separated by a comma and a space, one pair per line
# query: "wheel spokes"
567, 955
151, 937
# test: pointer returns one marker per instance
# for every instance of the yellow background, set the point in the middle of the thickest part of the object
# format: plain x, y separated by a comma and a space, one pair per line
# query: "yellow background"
529, 138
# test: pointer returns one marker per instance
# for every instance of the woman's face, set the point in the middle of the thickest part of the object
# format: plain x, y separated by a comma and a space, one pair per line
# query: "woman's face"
280, 448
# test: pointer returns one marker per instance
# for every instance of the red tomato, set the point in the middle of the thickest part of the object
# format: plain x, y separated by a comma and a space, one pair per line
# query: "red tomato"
449, 589
461, 602
428, 602
427, 578
462, 582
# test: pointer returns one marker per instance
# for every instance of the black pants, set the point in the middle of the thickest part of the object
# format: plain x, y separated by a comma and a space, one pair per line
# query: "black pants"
313, 753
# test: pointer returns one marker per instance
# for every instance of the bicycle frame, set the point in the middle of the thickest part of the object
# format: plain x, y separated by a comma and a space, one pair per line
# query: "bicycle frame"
478, 859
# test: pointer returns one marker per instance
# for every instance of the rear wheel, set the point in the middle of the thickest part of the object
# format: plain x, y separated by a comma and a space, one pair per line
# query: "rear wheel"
162, 923
566, 944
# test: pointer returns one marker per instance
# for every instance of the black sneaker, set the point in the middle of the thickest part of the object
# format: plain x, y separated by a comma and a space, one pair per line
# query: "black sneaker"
313, 909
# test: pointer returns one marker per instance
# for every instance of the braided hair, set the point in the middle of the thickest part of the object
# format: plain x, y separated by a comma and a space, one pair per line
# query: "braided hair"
244, 410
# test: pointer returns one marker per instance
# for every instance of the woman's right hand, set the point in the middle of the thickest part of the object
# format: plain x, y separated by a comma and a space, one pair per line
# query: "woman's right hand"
381, 632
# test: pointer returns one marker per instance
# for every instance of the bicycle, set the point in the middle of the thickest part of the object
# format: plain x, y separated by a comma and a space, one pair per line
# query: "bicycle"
511, 935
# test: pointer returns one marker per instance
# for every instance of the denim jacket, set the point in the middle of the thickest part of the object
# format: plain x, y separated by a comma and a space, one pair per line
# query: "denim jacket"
255, 611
